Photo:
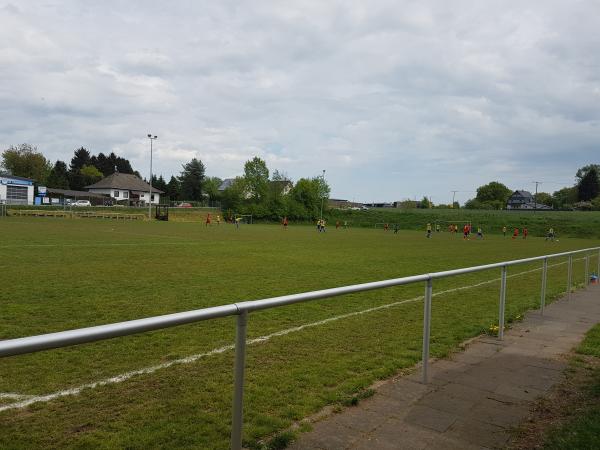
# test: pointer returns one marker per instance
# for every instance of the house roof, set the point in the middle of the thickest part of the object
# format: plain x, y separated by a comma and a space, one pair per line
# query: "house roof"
12, 177
522, 194
124, 181
227, 182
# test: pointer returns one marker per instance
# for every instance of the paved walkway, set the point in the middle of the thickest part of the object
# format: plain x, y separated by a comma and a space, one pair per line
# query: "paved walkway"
474, 398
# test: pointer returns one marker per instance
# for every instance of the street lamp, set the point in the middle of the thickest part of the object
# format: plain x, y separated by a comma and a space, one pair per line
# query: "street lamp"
322, 195
152, 138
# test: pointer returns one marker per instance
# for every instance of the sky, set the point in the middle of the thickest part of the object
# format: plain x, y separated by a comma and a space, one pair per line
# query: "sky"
393, 99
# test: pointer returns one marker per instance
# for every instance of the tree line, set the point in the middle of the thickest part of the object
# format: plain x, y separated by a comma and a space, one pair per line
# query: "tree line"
583, 195
257, 192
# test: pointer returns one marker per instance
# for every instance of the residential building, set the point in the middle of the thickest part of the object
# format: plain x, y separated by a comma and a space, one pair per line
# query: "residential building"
126, 188
524, 200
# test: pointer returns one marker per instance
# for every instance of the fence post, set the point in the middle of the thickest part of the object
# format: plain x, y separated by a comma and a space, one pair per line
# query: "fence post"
569, 277
426, 328
502, 304
587, 269
238, 390
544, 279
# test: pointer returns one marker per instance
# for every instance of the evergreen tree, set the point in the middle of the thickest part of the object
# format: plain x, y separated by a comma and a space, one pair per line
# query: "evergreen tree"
81, 158
192, 180
589, 186
173, 188
58, 177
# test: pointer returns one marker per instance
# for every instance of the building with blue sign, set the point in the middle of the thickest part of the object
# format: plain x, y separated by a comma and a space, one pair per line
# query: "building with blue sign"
15, 190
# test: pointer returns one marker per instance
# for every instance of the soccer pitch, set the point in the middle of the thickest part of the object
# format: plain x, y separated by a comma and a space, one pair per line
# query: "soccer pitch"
173, 388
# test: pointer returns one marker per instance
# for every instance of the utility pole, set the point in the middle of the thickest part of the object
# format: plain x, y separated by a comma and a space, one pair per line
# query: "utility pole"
322, 195
535, 198
152, 138
453, 196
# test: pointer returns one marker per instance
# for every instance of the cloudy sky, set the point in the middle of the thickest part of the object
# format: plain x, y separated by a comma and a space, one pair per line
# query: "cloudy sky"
393, 99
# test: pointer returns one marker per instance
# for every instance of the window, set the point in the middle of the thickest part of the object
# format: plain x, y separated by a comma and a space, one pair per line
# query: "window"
153, 197
116, 194
16, 194
125, 194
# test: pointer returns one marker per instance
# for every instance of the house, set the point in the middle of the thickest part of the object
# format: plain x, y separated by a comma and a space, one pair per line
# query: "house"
226, 183
16, 190
124, 187
524, 200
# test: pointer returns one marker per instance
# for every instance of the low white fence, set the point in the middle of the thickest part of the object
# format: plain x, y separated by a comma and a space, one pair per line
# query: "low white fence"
61, 339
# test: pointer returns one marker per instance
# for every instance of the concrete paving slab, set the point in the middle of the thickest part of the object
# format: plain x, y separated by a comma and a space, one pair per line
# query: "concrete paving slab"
474, 397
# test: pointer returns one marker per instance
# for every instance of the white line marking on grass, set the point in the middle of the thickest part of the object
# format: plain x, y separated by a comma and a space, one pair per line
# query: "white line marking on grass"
259, 340
14, 396
100, 244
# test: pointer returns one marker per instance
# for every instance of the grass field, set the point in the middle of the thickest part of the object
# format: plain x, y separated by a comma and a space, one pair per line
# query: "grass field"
61, 274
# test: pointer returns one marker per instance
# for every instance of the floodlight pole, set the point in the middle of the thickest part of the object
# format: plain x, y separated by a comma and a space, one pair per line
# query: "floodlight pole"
152, 138
535, 198
322, 196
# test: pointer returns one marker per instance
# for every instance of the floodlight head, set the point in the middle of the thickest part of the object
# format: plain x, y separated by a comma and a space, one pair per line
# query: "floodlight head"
150, 136
155, 137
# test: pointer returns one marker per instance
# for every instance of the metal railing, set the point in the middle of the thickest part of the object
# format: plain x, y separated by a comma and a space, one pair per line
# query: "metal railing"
32, 344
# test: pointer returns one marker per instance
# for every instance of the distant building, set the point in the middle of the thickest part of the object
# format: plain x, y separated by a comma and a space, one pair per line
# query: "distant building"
524, 200
283, 186
64, 196
16, 190
226, 183
127, 188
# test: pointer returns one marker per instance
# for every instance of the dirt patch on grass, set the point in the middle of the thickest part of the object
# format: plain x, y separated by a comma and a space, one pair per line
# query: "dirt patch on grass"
563, 403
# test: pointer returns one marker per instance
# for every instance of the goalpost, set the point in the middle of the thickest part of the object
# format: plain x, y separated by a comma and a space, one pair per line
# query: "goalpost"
245, 218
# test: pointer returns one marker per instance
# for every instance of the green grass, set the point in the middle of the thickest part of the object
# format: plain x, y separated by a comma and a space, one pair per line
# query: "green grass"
62, 274
583, 430
565, 223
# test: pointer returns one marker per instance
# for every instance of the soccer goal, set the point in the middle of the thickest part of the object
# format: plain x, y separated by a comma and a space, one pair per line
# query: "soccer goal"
244, 218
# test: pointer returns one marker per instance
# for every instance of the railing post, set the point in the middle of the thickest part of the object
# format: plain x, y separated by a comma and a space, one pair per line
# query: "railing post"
569, 277
426, 328
238, 390
587, 269
598, 268
544, 279
502, 304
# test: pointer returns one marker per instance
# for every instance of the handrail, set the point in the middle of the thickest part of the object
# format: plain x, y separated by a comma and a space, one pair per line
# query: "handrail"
30, 344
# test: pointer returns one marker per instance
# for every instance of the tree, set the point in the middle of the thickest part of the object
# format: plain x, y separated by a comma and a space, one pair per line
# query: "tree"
159, 183
173, 188
58, 177
26, 161
90, 174
544, 198
425, 203
80, 158
108, 164
589, 185
564, 198
307, 196
581, 172
211, 187
232, 198
192, 180
495, 194
256, 176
